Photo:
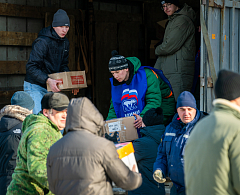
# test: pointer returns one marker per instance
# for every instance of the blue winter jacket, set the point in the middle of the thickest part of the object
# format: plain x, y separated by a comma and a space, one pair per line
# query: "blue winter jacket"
171, 150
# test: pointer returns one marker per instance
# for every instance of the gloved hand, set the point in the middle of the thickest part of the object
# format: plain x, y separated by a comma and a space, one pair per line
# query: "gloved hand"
158, 176
112, 138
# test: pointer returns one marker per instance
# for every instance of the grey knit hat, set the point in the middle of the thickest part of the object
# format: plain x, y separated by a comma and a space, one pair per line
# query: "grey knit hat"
60, 18
23, 99
117, 62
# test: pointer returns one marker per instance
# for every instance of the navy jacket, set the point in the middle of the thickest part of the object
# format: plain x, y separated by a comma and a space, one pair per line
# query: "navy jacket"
171, 150
146, 149
10, 134
49, 55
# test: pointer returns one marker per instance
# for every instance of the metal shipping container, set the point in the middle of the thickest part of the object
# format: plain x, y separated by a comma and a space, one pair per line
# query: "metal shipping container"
220, 46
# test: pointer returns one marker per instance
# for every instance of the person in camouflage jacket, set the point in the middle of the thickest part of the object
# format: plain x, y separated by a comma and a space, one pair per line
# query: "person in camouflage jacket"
40, 132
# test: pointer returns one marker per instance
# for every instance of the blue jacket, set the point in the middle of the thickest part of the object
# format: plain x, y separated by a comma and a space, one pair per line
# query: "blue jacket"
146, 149
171, 150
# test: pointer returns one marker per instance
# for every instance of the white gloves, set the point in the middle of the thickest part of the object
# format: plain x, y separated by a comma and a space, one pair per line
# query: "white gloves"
158, 176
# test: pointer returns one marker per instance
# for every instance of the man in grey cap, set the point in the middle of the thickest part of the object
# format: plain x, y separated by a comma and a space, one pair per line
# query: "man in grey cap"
49, 55
40, 132
12, 117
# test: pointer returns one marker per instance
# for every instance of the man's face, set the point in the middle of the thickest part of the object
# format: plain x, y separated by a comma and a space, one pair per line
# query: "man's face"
57, 117
169, 8
186, 114
121, 75
61, 30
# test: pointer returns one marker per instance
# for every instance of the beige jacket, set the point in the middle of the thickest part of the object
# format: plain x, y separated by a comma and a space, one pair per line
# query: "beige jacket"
84, 163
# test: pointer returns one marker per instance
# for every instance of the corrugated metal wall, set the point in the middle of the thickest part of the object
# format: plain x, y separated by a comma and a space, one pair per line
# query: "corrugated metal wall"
222, 19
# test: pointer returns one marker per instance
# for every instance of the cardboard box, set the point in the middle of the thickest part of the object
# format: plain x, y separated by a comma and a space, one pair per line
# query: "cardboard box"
160, 29
126, 154
162, 23
124, 126
70, 80
152, 49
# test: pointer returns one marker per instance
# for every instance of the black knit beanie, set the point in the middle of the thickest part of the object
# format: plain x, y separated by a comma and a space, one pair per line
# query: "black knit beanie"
117, 62
175, 2
227, 85
60, 18
153, 116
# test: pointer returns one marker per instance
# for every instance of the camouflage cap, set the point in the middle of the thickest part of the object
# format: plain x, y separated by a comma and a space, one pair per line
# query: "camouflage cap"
56, 101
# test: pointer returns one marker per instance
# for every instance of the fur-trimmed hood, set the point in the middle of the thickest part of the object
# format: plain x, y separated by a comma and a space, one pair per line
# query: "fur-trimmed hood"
15, 111
11, 116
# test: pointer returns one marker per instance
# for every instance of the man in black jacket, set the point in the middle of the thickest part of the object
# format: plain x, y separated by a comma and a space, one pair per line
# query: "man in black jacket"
12, 117
49, 55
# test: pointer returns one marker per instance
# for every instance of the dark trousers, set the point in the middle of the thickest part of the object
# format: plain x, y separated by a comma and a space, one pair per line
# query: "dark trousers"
174, 191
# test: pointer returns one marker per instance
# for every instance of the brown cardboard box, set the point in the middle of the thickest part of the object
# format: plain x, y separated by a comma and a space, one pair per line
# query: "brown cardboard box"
162, 23
70, 80
160, 28
152, 49
124, 126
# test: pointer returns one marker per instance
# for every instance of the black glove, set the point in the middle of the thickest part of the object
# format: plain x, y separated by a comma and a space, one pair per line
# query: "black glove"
112, 138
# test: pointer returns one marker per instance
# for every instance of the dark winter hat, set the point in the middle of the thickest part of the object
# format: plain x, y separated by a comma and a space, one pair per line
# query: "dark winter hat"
117, 62
22, 99
56, 101
60, 18
186, 99
153, 116
175, 2
227, 85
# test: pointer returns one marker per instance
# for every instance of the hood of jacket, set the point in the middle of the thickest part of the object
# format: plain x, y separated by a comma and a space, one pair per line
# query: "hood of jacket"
186, 11
228, 106
8, 123
83, 115
155, 132
11, 115
51, 33
135, 62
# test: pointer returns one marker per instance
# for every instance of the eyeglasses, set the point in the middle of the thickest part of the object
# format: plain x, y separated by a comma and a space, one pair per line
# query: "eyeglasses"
166, 6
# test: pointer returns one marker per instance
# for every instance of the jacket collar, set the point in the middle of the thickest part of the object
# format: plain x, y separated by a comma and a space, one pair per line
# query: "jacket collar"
227, 104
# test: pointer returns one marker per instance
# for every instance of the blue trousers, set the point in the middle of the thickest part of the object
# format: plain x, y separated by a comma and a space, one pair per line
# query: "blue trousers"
36, 92
173, 191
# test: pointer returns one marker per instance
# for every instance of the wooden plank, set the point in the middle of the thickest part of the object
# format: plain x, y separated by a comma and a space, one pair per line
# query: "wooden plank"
71, 37
13, 67
25, 11
17, 38
106, 41
5, 97
118, 17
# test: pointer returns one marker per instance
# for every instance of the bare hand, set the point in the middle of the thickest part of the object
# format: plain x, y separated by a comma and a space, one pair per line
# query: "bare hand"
138, 121
134, 168
75, 91
53, 84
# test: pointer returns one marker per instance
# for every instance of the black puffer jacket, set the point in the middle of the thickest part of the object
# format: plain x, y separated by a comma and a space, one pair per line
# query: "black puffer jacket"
10, 134
49, 55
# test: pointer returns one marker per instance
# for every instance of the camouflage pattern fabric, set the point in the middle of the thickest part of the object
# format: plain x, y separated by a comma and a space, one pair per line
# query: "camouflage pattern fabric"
30, 174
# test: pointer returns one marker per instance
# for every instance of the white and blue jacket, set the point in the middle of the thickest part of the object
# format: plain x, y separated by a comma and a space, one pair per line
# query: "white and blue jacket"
171, 150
